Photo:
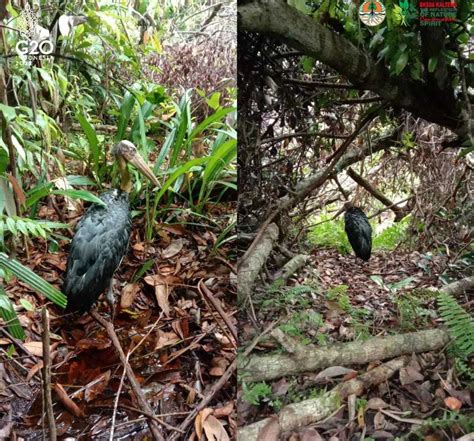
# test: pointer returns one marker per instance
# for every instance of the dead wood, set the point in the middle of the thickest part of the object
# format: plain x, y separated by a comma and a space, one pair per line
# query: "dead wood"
308, 412
459, 286
141, 400
206, 400
48, 401
269, 367
400, 213
291, 267
251, 266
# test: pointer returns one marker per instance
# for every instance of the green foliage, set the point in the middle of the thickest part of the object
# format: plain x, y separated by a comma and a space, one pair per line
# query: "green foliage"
330, 234
283, 296
301, 321
392, 287
339, 294
460, 324
449, 419
389, 238
360, 316
256, 393
7, 310
412, 314
27, 227
8, 314
197, 177
33, 280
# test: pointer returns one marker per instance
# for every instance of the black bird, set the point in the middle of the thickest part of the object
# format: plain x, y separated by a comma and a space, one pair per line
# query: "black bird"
101, 238
358, 230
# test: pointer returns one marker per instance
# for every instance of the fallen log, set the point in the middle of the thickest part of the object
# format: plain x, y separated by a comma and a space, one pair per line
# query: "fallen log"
253, 263
307, 412
291, 267
270, 367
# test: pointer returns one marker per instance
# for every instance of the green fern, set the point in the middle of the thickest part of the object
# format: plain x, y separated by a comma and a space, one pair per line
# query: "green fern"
460, 324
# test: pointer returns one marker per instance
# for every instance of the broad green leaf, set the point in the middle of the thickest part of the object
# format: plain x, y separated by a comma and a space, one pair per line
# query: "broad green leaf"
8, 112
176, 174
80, 180
33, 280
8, 314
91, 136
402, 283
81, 194
378, 280
214, 101
217, 116
144, 268
11, 225
27, 305
401, 63
432, 63
126, 109
165, 149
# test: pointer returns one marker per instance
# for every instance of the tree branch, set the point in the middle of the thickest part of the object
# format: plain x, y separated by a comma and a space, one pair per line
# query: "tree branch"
301, 32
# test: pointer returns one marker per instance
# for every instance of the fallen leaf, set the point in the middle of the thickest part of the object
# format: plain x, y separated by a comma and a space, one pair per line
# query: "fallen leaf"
311, 434
331, 372
453, 403
97, 386
409, 375
179, 230
166, 339
216, 372
173, 248
162, 293
96, 343
376, 403
379, 421
271, 431
129, 294
224, 411
66, 401
199, 421
214, 429
34, 369
34, 348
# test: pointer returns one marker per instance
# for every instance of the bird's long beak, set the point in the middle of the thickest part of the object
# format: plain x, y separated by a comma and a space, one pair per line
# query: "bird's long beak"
141, 165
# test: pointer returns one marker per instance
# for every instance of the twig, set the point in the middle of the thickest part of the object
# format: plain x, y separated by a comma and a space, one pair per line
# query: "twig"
48, 402
216, 388
122, 378
302, 135
259, 337
203, 289
142, 402
400, 419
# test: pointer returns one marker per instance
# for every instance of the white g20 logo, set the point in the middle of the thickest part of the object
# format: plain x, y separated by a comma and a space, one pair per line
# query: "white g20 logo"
33, 47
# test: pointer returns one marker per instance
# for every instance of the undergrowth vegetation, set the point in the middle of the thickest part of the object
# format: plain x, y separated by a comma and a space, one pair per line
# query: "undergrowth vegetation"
64, 112
329, 233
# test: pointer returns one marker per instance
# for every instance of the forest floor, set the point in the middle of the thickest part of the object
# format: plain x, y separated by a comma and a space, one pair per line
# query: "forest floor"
178, 343
335, 299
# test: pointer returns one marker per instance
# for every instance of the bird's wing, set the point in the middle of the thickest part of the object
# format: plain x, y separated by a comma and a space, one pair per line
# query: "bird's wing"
100, 242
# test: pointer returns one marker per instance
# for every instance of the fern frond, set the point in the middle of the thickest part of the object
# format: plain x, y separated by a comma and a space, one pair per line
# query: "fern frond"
459, 323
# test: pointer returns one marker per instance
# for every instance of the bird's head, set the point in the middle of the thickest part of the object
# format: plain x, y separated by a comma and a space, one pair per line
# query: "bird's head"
348, 205
126, 152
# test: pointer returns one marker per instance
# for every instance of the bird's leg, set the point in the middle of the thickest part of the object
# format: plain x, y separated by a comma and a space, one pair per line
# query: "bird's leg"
110, 297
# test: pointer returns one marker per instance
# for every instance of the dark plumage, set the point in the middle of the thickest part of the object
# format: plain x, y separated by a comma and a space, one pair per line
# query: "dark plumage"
359, 231
102, 236
100, 242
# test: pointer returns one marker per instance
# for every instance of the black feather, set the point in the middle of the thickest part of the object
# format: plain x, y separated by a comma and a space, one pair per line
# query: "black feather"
99, 244
359, 232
